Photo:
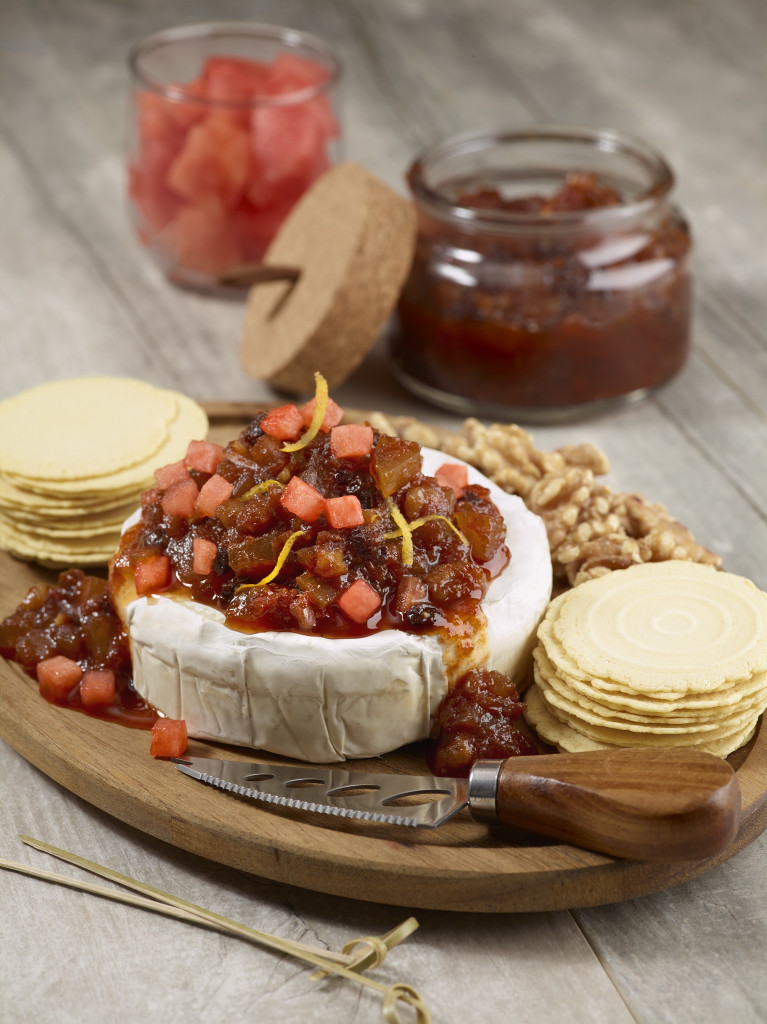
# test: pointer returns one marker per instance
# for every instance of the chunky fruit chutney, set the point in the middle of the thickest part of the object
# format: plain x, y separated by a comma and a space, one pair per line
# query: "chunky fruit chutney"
73, 628
481, 717
312, 540
537, 303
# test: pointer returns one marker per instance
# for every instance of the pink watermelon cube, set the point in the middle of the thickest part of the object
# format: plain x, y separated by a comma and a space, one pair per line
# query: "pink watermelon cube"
451, 474
98, 686
203, 555
214, 492
171, 474
168, 738
204, 456
180, 498
152, 576
285, 423
351, 441
333, 414
214, 161
58, 676
201, 237
302, 500
359, 601
345, 512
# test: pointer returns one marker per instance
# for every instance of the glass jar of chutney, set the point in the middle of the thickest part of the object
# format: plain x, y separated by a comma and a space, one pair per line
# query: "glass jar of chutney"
550, 277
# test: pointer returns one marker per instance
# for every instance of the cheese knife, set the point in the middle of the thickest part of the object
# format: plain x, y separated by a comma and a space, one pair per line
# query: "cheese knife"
641, 804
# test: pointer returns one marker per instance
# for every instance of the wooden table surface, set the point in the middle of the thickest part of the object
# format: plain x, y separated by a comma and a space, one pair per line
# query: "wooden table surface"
78, 296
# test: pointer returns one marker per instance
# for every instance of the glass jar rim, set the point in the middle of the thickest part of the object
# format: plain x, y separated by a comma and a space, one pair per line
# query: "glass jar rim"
291, 37
437, 203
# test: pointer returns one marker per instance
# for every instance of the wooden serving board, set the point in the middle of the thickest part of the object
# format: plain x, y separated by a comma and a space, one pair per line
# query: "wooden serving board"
460, 866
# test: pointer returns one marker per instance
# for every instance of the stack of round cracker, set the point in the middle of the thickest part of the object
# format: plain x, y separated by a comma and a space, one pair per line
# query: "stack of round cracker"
665, 654
75, 456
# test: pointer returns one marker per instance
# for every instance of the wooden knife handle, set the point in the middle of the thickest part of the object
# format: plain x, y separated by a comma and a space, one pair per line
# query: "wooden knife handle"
642, 804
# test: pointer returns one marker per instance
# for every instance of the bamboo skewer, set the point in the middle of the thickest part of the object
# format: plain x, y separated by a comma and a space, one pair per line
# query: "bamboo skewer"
156, 900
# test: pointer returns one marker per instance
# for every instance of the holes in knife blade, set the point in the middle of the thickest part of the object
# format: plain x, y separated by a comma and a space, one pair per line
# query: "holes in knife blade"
304, 783
353, 790
416, 796
258, 777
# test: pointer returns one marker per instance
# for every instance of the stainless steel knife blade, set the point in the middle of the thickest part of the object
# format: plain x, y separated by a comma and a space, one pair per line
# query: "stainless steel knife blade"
336, 791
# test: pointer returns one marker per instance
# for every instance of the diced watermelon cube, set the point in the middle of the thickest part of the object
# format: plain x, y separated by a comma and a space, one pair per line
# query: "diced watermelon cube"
162, 124
161, 119
359, 601
168, 738
153, 120
333, 414
270, 189
351, 441
214, 161
180, 498
344, 512
214, 492
302, 500
203, 555
98, 686
58, 676
291, 73
171, 474
255, 227
201, 237
152, 575
204, 456
285, 423
288, 148
451, 474
234, 80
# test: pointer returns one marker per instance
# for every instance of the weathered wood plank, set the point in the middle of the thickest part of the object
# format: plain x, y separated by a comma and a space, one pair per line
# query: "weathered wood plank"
692, 955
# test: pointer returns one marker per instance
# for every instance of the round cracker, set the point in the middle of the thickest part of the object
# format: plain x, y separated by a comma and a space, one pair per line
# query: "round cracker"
59, 534
190, 423
713, 738
607, 690
563, 736
673, 725
646, 709
669, 626
71, 518
82, 428
29, 545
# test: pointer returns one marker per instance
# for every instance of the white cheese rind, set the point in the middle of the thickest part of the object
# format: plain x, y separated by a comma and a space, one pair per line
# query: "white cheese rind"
321, 699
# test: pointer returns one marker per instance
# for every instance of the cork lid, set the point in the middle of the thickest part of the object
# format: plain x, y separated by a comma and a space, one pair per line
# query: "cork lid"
350, 238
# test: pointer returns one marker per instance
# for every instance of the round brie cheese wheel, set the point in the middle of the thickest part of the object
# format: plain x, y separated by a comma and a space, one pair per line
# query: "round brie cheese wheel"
326, 699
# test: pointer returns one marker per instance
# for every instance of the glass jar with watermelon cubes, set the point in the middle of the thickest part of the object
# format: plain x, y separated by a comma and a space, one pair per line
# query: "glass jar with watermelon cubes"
229, 124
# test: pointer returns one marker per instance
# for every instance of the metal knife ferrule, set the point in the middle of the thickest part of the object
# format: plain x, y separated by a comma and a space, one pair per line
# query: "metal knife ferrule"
483, 786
